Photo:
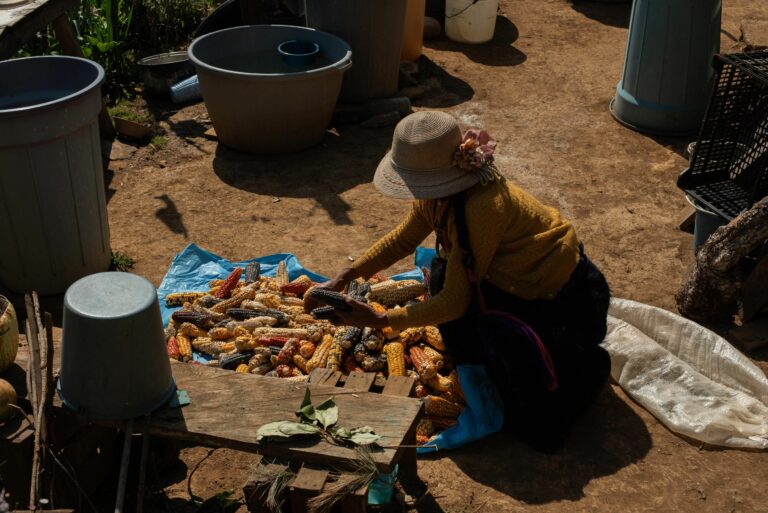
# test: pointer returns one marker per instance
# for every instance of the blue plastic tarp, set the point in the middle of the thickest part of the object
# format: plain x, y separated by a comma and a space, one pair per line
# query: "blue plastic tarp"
194, 267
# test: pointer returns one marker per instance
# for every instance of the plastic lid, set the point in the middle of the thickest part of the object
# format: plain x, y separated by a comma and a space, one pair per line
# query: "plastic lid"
109, 295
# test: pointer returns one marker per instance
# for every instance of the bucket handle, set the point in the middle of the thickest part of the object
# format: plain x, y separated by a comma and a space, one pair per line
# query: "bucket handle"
344, 66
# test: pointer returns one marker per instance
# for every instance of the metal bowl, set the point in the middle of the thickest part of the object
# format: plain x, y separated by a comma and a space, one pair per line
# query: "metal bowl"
159, 72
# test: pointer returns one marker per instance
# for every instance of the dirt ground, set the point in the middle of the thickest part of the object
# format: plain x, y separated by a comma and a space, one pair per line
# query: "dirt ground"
541, 88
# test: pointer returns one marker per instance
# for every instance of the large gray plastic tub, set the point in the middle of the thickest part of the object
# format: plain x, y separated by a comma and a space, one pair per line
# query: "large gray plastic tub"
257, 102
114, 363
667, 76
54, 226
374, 29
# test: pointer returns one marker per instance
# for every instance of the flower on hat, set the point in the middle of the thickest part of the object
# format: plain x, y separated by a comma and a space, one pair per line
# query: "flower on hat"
475, 152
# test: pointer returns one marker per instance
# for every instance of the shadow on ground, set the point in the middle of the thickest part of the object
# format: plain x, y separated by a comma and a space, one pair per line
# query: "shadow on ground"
610, 437
322, 173
497, 52
614, 13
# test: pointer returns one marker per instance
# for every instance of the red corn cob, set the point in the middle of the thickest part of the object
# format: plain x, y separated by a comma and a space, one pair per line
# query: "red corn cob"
298, 288
226, 288
173, 348
272, 341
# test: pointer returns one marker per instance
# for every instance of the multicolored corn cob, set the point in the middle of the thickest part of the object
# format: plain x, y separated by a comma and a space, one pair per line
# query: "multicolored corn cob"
395, 358
235, 301
433, 337
281, 274
225, 289
423, 365
179, 298
334, 357
394, 292
435, 356
185, 347
320, 358
252, 271
440, 407
173, 348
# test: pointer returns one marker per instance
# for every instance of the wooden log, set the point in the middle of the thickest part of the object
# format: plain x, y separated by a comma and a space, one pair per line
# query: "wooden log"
754, 291
308, 484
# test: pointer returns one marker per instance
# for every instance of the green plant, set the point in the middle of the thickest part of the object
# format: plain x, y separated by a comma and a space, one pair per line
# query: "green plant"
159, 142
121, 262
131, 111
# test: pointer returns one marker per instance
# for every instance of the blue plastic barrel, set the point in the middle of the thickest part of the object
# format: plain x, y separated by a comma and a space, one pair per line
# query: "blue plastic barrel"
668, 75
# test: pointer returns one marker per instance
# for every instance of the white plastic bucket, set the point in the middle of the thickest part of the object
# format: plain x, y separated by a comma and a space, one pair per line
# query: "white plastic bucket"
470, 21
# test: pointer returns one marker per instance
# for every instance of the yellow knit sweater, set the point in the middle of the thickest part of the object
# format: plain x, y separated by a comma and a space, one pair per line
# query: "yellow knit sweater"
519, 245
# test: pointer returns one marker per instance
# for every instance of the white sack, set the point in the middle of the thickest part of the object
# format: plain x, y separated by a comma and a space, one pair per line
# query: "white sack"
688, 377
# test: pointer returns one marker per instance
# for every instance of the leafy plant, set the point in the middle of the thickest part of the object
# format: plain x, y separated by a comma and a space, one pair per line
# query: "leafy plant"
159, 142
129, 110
121, 262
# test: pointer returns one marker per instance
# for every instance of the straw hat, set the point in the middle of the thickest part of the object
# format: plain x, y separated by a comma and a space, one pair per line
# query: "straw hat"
420, 163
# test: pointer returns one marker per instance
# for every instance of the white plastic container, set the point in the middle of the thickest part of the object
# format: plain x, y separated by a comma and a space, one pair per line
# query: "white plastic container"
470, 21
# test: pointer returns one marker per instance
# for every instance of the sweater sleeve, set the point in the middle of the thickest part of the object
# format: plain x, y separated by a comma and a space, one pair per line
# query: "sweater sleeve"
487, 225
397, 244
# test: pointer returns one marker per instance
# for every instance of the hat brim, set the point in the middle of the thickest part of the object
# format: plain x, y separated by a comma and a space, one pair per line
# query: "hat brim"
396, 182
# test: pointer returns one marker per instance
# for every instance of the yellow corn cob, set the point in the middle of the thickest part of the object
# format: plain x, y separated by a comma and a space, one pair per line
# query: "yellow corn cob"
433, 355
421, 363
281, 275
300, 333
220, 333
268, 300
451, 396
179, 298
411, 335
214, 283
457, 390
209, 346
388, 332
229, 346
320, 357
441, 407
306, 348
441, 423
393, 292
440, 384
245, 343
300, 362
242, 368
240, 331
294, 311
334, 357
257, 322
422, 440
395, 358
292, 301
433, 338
215, 316
425, 428
261, 356
297, 379
235, 300
253, 305
185, 347
420, 390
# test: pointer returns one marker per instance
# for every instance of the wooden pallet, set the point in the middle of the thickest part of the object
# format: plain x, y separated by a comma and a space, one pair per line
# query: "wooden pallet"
309, 481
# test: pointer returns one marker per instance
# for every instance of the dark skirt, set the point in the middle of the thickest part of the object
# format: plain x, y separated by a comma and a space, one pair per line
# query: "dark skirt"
571, 326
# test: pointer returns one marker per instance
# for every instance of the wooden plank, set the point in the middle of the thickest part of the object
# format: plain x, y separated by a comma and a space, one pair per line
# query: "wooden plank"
406, 455
754, 290
309, 483
356, 502
399, 385
21, 23
218, 415
686, 219
324, 377
360, 381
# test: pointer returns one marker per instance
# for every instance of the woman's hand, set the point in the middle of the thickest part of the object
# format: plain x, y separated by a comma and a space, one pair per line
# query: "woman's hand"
338, 284
361, 315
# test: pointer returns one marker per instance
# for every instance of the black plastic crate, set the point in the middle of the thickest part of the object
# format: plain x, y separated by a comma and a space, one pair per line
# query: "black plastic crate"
728, 171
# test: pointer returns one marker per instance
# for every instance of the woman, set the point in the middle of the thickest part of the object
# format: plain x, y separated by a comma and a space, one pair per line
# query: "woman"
518, 292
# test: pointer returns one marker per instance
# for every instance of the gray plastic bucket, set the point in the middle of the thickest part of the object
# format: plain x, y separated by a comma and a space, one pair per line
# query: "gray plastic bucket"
374, 30
54, 216
705, 223
114, 364
667, 77
257, 102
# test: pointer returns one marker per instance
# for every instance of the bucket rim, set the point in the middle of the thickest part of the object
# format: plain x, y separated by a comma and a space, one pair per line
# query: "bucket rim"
58, 101
698, 207
339, 65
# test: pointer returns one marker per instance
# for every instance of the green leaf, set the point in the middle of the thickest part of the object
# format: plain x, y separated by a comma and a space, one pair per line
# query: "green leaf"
363, 436
285, 429
306, 411
327, 413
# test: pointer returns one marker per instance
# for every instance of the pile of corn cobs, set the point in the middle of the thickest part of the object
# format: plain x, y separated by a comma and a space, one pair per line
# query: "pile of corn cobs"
258, 325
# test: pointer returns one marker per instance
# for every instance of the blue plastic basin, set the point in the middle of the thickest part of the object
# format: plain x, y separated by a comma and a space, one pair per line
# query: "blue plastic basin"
298, 53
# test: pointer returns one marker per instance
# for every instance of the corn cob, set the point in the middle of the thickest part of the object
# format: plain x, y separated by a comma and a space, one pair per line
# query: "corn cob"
334, 357
302, 318
281, 274
393, 292
425, 428
411, 335
451, 396
306, 348
300, 333
422, 439
220, 333
295, 311
421, 363
199, 319
185, 347
360, 352
228, 285
262, 369
457, 390
395, 359
208, 346
350, 365
320, 357
252, 271
433, 338
208, 301
435, 356
440, 407
242, 368
284, 371
316, 332
292, 301
298, 379
245, 343
330, 298
268, 300
232, 360
299, 286
271, 341
352, 335
173, 348
285, 356
324, 312
371, 363
215, 316
191, 330
440, 384
262, 310
261, 355
420, 390
241, 314
388, 332
179, 298
235, 300
209, 363
441, 423
171, 329
215, 283
372, 340
300, 362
